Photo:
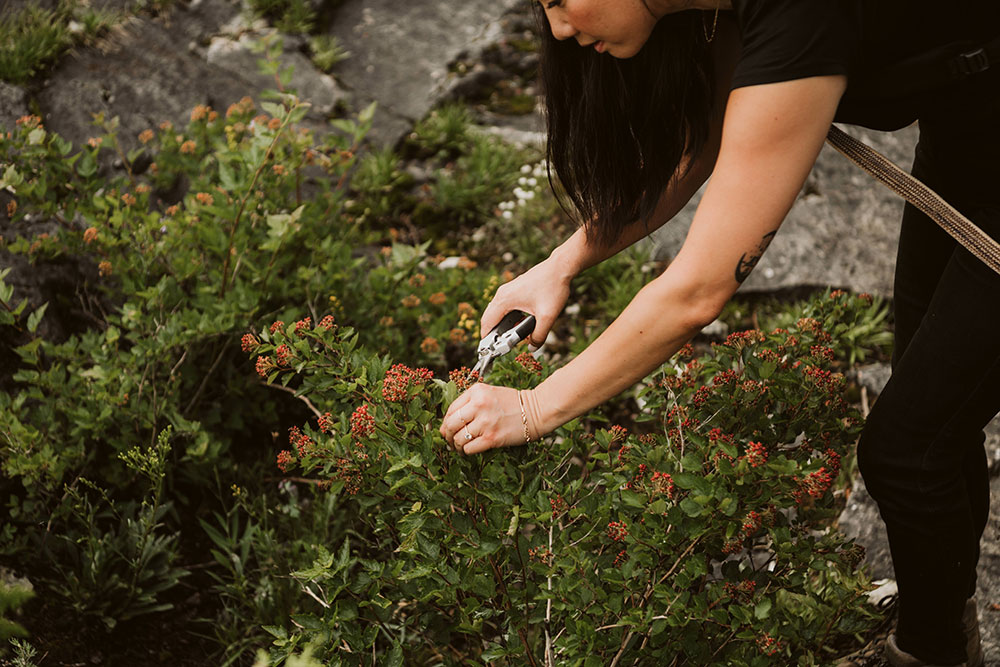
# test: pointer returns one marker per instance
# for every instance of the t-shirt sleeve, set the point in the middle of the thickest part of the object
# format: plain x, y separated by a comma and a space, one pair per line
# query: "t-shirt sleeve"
793, 39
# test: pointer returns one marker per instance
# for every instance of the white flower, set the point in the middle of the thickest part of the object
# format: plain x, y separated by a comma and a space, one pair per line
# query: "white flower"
507, 215
532, 182
522, 181
526, 169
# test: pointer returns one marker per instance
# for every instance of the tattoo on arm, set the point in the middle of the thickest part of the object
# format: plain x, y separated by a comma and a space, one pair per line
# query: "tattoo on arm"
746, 264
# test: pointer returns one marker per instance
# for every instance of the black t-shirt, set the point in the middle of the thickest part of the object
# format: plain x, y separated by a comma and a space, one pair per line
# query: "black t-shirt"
792, 39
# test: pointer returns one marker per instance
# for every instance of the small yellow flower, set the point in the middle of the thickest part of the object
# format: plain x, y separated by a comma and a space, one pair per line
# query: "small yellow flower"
274, 124
104, 268
417, 280
11, 208
410, 301
166, 126
430, 345
142, 188
457, 336
90, 235
204, 198
188, 147
172, 210
437, 298
146, 136
95, 142
278, 169
129, 199
386, 321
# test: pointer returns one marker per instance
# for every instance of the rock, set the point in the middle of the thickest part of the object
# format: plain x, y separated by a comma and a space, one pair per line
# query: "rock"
841, 232
13, 105
400, 53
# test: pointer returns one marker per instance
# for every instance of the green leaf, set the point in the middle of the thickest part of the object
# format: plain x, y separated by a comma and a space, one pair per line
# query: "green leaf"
763, 609
691, 508
36, 317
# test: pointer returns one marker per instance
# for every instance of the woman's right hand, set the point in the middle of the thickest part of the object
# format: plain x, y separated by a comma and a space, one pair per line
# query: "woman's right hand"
541, 291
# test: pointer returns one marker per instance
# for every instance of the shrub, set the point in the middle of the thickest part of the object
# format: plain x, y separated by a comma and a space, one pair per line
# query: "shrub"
703, 535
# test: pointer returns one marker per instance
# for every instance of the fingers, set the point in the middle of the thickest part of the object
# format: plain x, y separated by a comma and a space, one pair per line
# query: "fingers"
457, 417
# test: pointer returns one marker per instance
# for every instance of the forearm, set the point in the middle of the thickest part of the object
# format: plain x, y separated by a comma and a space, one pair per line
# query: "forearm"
661, 318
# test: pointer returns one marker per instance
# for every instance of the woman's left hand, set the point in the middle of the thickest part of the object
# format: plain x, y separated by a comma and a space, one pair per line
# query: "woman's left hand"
484, 417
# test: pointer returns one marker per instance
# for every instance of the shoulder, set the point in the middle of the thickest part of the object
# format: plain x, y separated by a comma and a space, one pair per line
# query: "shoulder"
782, 40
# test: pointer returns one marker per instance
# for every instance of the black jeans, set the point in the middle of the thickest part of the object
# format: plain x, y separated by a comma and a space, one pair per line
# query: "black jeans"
921, 454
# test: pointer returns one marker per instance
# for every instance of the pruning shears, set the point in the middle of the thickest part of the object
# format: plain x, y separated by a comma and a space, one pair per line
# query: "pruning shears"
513, 328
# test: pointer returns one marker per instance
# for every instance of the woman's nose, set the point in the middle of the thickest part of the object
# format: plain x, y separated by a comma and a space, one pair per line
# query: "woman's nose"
562, 29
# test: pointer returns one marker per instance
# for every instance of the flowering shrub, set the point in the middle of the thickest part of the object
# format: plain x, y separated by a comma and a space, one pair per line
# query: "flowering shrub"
702, 535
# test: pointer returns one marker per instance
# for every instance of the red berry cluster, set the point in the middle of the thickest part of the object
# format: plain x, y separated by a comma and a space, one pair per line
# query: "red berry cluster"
725, 377
768, 645
302, 442
833, 461
617, 531
278, 324
463, 378
866, 297
399, 379
621, 557
742, 591
618, 433
285, 460
348, 471
756, 455
751, 523
249, 342
837, 293
302, 326
529, 363
362, 423
663, 483
325, 422
558, 505
767, 354
732, 546
813, 486
701, 395
686, 352
284, 354
739, 339
327, 322
264, 366
541, 554
635, 483
821, 352
623, 454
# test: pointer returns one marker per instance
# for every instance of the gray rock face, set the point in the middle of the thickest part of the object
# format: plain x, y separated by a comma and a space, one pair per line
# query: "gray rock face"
400, 53
13, 105
208, 48
841, 232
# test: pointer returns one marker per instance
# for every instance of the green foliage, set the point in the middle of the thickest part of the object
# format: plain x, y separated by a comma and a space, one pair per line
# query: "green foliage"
32, 38
327, 52
122, 560
13, 595
290, 16
592, 544
24, 654
445, 132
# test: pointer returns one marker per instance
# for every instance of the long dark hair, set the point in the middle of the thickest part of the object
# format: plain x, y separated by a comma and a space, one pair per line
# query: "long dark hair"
618, 129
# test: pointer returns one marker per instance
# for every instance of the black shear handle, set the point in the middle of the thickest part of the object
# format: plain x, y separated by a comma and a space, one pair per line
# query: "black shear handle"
522, 323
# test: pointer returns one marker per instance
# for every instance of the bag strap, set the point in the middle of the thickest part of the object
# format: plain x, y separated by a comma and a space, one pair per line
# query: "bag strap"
919, 195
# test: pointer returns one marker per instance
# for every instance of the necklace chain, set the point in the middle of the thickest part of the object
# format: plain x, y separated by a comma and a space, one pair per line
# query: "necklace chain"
715, 24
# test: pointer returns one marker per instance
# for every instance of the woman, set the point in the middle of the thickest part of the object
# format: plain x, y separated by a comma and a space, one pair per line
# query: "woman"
646, 100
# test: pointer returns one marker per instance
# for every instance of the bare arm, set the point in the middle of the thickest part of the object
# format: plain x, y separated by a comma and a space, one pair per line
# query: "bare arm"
772, 136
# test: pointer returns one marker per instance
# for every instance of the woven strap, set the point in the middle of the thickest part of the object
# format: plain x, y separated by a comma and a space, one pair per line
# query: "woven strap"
919, 195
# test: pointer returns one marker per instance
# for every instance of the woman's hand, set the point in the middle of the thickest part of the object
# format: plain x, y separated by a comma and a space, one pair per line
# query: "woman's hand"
482, 418
541, 291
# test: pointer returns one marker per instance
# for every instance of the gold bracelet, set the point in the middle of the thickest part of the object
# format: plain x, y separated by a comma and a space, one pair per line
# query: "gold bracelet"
524, 419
